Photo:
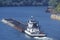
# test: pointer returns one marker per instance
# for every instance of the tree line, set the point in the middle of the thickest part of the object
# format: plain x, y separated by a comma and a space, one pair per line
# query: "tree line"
56, 5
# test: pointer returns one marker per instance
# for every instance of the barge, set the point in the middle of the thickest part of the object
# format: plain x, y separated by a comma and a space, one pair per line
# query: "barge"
15, 24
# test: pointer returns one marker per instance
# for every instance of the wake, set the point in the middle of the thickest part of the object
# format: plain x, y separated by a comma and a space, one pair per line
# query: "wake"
43, 38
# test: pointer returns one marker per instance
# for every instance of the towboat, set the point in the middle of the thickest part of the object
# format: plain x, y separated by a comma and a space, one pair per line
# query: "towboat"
33, 28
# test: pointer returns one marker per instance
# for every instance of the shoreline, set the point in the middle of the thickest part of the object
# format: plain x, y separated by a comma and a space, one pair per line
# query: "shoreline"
54, 14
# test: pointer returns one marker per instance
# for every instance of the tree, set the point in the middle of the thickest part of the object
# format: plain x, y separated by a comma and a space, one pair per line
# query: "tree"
52, 2
58, 8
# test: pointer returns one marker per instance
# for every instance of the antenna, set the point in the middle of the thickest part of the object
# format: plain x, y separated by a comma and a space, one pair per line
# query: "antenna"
31, 17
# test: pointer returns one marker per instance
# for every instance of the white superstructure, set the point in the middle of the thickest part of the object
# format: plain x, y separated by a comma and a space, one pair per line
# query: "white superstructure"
33, 28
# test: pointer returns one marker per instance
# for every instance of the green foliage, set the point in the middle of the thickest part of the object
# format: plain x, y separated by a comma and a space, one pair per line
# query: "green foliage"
52, 2
58, 8
55, 4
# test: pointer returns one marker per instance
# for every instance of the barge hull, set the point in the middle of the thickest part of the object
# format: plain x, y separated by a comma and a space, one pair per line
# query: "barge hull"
15, 24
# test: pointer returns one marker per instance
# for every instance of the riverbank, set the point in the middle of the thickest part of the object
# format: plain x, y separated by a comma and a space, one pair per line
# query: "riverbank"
54, 14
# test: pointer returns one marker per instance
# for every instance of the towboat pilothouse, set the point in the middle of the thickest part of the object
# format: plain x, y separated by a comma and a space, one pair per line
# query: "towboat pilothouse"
33, 29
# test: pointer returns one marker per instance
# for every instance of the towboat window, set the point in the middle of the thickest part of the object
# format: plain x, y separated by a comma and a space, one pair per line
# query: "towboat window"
35, 25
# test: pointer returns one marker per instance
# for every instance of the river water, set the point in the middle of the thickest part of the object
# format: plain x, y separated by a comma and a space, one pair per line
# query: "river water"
48, 26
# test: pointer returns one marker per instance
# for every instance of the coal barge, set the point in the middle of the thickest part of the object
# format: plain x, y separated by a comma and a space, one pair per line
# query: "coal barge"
32, 28
15, 24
